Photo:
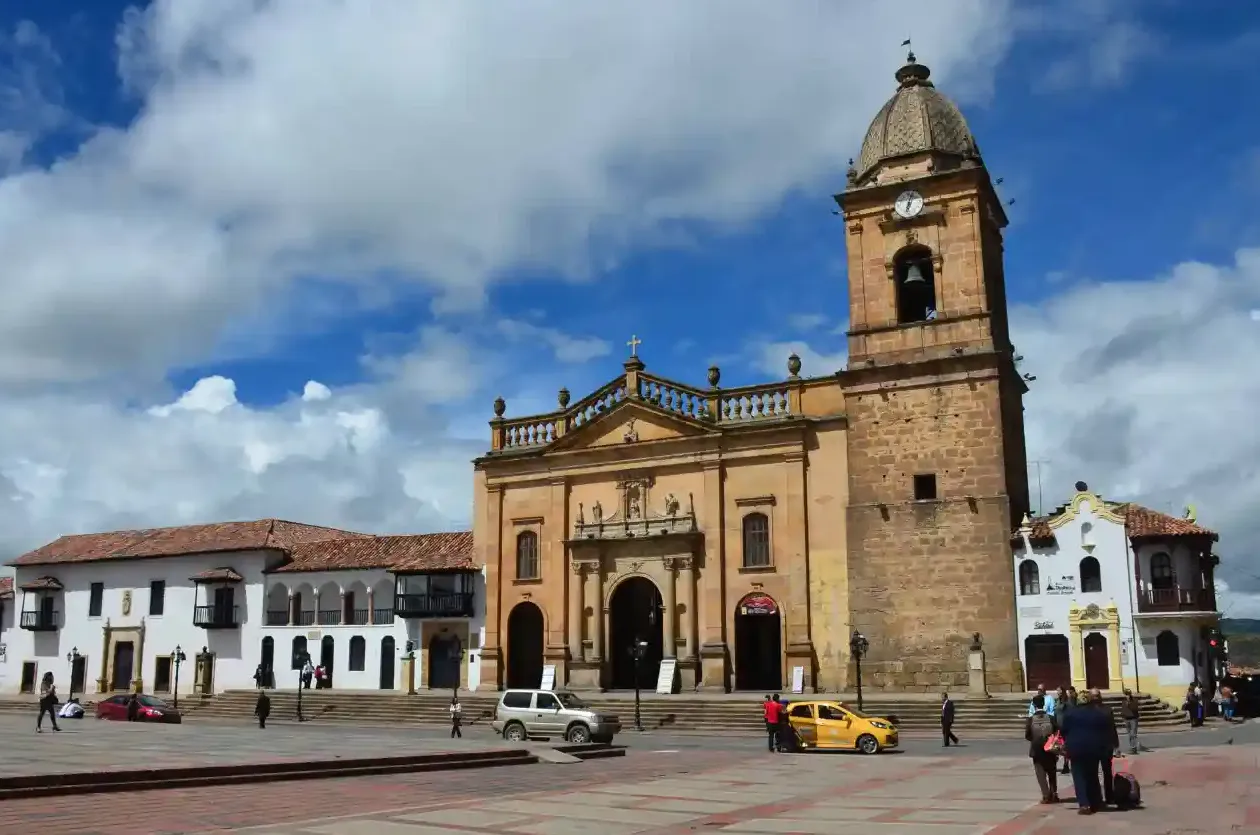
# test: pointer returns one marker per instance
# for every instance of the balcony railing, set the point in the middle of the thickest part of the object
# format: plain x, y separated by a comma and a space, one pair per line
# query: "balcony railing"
277, 617
306, 618
329, 618
451, 605
380, 616
1176, 600
359, 617
216, 617
40, 621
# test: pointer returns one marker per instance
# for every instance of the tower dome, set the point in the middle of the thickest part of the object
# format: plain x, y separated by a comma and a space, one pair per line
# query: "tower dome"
918, 119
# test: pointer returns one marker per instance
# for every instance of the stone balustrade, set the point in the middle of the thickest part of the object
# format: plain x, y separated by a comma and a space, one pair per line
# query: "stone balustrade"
754, 403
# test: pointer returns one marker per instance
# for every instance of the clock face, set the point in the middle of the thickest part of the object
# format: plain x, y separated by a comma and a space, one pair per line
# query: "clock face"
909, 204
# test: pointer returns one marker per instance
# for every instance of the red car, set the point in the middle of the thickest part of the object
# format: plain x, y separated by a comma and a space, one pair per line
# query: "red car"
152, 709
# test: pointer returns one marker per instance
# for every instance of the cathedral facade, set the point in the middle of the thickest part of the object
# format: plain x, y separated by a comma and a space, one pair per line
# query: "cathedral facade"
742, 535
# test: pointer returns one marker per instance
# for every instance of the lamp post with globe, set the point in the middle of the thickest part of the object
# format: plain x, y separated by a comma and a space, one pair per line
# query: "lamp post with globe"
858, 645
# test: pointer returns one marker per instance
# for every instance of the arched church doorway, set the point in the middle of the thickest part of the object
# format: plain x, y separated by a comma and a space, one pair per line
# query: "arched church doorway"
525, 646
444, 657
634, 615
758, 644
1097, 665
1048, 661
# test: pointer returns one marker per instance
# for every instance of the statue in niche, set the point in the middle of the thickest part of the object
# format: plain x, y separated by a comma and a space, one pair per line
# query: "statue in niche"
597, 512
671, 505
632, 434
581, 520
634, 508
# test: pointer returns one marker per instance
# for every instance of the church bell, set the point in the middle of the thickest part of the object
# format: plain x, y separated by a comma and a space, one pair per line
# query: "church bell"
913, 275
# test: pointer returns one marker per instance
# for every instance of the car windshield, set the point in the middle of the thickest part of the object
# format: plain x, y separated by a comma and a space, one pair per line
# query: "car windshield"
152, 701
570, 701
856, 713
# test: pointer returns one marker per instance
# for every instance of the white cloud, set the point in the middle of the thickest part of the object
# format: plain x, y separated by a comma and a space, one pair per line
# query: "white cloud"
770, 358
315, 391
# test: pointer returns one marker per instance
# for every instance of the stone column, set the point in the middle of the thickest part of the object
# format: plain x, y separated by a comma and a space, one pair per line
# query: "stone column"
575, 613
687, 576
371, 601
669, 626
294, 603
347, 618
596, 578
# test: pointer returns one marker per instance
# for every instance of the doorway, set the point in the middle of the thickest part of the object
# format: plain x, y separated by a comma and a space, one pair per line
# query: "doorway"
162, 674
124, 655
444, 658
28, 676
326, 658
387, 663
758, 644
268, 662
1048, 661
634, 616
525, 646
78, 674
1097, 667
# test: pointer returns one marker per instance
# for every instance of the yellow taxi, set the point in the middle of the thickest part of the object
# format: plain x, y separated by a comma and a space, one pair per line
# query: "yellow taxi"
836, 726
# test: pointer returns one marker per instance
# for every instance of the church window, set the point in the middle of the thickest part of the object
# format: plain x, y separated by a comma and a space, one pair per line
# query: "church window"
96, 599
915, 278
358, 654
1168, 649
756, 540
527, 556
1091, 575
1162, 575
1029, 578
925, 487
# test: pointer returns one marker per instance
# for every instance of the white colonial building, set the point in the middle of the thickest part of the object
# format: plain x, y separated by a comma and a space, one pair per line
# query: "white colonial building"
201, 608
1115, 595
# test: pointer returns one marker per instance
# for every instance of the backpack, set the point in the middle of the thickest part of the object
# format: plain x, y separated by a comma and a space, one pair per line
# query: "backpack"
1042, 728
1126, 790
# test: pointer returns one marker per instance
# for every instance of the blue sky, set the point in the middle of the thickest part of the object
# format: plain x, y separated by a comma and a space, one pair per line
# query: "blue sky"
423, 209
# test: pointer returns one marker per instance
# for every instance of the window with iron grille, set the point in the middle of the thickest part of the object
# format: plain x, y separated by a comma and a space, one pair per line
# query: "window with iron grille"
527, 567
756, 540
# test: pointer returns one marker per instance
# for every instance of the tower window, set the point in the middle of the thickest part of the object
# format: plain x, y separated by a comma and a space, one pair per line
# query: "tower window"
925, 487
916, 285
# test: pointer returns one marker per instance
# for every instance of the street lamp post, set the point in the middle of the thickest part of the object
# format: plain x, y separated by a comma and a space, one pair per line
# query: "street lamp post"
858, 645
178, 659
637, 651
72, 657
300, 659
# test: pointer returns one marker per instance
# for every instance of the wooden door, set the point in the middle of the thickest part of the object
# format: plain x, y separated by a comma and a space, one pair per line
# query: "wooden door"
1097, 666
1048, 661
124, 655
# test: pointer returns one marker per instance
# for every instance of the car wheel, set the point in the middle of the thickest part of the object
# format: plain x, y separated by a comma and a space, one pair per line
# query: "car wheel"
515, 732
579, 735
868, 744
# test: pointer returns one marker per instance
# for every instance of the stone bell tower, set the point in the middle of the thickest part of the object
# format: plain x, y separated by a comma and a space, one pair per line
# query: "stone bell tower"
937, 469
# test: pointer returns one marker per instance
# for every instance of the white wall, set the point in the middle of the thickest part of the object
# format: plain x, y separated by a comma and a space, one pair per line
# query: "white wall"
8, 623
1188, 643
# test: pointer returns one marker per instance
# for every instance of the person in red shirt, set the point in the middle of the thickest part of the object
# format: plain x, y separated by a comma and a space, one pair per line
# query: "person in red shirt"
770, 708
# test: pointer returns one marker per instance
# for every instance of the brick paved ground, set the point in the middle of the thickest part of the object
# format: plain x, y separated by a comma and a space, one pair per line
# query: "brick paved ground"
662, 793
91, 745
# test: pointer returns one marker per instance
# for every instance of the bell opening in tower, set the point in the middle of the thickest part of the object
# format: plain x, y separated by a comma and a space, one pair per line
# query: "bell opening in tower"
916, 285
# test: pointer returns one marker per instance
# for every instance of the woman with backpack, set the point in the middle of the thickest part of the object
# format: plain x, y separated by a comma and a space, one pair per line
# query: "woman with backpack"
1042, 732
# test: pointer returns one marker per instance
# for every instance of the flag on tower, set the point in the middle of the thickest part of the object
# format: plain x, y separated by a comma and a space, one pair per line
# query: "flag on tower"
906, 42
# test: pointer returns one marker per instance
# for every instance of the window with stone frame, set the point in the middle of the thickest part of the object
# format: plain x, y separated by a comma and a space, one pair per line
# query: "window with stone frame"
1162, 574
527, 564
1029, 578
756, 540
1091, 576
1168, 649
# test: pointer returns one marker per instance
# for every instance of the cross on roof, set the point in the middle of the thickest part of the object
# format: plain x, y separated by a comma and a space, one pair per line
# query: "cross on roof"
634, 344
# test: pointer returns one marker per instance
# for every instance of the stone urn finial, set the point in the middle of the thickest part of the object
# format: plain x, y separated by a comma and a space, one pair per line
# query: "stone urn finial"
500, 406
794, 365
563, 398
715, 376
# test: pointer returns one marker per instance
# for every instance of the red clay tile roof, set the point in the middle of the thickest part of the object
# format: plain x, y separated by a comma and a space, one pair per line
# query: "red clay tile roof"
417, 552
1142, 522
6, 588
262, 534
42, 584
220, 575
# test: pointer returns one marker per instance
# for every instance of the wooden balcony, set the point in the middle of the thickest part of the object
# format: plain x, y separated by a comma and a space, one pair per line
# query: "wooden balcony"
216, 617
40, 620
446, 605
1156, 601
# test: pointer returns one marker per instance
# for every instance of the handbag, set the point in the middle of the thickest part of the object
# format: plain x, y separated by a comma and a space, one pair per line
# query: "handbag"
1054, 744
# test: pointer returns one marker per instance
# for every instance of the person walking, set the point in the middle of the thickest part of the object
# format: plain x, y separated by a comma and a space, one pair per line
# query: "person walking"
787, 735
1038, 729
457, 713
770, 712
262, 708
1046, 698
308, 673
47, 703
947, 720
1131, 712
133, 708
1086, 740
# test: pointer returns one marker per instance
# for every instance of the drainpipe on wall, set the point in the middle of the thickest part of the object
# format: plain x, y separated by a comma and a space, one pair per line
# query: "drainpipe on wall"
1136, 643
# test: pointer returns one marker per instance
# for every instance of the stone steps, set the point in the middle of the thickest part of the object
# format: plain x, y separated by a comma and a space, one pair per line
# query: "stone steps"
677, 713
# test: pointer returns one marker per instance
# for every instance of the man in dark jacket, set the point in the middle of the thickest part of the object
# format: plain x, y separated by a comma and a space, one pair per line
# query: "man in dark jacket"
947, 720
1087, 737
1113, 744
1130, 712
